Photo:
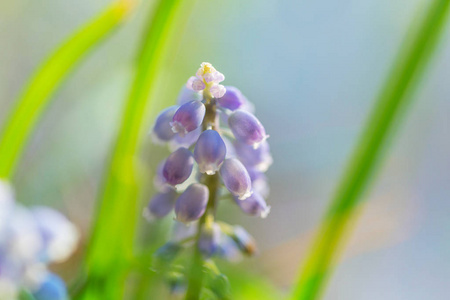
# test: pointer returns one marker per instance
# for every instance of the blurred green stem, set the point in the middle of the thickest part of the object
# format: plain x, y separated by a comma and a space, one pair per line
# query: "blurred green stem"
396, 93
48, 77
111, 245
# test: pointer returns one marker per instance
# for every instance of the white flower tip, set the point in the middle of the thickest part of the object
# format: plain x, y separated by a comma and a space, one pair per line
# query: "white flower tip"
265, 212
246, 195
256, 145
177, 127
210, 172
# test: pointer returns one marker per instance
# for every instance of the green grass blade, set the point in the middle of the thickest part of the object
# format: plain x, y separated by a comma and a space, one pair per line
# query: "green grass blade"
111, 246
395, 95
38, 92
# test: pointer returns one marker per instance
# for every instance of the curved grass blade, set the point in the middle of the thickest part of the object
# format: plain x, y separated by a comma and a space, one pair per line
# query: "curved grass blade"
111, 246
37, 94
395, 95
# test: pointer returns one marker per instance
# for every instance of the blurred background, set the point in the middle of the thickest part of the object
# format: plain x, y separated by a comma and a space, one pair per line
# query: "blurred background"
313, 70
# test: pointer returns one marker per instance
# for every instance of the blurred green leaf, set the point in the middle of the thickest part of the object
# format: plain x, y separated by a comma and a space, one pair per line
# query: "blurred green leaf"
37, 94
111, 247
395, 95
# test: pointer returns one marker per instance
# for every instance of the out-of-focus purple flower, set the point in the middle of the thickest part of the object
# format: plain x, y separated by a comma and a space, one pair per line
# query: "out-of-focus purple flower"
207, 78
186, 95
191, 204
209, 152
178, 166
228, 248
209, 239
236, 178
59, 235
233, 99
162, 130
254, 205
53, 288
188, 117
29, 240
160, 205
246, 128
259, 159
185, 141
244, 240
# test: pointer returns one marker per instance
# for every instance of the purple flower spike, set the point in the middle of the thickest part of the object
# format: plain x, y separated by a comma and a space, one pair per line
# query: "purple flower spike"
246, 128
254, 205
188, 117
259, 159
162, 130
178, 166
160, 205
191, 205
209, 240
233, 99
209, 152
236, 178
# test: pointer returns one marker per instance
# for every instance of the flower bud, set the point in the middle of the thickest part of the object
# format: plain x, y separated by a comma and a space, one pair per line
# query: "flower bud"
233, 99
236, 178
244, 240
162, 130
209, 239
191, 205
188, 117
246, 128
160, 205
259, 159
254, 205
209, 152
178, 166
53, 288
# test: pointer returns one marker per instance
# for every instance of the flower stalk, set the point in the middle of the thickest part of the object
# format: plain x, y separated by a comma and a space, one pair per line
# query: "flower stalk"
195, 278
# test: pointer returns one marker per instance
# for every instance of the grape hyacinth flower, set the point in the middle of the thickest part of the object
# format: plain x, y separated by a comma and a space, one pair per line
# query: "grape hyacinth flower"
178, 166
209, 152
220, 146
191, 205
188, 117
246, 128
30, 239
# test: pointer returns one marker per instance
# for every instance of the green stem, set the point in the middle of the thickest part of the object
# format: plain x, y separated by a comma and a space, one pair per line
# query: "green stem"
397, 92
195, 277
47, 79
111, 246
